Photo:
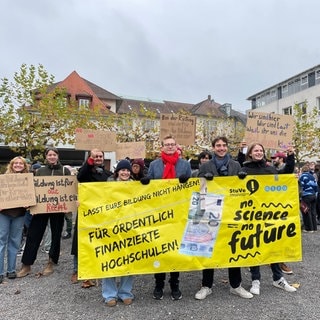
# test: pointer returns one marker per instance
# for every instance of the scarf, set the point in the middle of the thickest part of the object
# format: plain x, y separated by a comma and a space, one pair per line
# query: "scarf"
169, 162
221, 164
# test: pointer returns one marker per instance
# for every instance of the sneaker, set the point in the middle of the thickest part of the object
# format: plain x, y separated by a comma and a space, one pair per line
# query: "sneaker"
284, 285
11, 275
158, 293
176, 293
203, 293
241, 292
285, 269
255, 289
66, 236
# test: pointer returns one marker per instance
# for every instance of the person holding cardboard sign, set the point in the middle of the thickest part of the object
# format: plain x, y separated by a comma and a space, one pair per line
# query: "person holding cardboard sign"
11, 225
39, 222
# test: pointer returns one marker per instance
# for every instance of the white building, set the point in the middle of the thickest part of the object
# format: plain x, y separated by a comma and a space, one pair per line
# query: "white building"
281, 97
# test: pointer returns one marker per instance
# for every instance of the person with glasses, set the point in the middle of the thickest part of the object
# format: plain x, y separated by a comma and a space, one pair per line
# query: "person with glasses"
92, 171
221, 164
169, 166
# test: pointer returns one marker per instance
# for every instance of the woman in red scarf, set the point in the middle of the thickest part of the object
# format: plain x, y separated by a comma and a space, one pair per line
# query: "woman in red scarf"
169, 166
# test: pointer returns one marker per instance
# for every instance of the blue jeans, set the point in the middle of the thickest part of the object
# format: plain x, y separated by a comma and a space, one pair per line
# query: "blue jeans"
10, 239
110, 290
275, 268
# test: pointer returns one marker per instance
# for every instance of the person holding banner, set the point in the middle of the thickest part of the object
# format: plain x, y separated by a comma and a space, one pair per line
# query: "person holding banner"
256, 164
39, 222
111, 293
169, 166
11, 225
92, 171
221, 164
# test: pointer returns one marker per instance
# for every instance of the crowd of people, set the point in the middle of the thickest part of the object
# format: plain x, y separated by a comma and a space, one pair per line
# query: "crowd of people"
251, 160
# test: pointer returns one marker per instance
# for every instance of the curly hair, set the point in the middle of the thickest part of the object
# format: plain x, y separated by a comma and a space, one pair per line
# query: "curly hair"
10, 165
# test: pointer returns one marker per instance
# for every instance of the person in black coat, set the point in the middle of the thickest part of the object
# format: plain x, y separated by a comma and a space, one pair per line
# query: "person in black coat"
256, 164
92, 171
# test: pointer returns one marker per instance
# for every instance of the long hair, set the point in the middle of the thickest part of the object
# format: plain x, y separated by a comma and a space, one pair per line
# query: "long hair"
10, 165
249, 151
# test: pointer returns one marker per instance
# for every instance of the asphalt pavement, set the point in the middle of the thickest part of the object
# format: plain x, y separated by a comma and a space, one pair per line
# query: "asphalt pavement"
55, 298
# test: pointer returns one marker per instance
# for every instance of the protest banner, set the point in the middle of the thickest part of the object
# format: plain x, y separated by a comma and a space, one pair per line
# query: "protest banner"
55, 194
17, 190
273, 131
87, 139
133, 150
129, 228
182, 127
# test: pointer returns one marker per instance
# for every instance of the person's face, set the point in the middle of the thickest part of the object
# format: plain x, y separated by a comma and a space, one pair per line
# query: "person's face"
52, 157
169, 146
135, 168
220, 149
204, 159
124, 174
97, 158
18, 165
257, 153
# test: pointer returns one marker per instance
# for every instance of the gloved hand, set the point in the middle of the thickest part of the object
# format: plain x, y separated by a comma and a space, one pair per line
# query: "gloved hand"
209, 176
242, 174
183, 178
145, 180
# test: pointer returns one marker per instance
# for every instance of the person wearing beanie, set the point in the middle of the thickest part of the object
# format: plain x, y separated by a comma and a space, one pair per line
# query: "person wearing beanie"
111, 291
122, 169
137, 166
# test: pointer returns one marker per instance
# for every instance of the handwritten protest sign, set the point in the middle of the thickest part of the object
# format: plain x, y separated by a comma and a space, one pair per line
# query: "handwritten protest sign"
87, 139
133, 150
129, 228
17, 190
182, 127
55, 194
273, 131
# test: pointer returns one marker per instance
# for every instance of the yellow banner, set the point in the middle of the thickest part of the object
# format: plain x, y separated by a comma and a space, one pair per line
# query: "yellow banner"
130, 228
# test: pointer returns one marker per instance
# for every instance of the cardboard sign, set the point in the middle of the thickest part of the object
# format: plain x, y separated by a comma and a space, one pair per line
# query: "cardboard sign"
182, 127
133, 150
87, 139
273, 131
17, 190
55, 194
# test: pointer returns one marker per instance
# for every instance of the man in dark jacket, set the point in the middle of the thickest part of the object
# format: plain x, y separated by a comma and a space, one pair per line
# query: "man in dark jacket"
221, 164
92, 171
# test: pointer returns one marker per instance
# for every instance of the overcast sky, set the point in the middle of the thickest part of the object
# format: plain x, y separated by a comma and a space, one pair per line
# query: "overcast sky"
178, 50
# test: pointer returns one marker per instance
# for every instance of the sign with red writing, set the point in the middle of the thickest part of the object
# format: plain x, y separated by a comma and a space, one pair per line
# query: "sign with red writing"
55, 194
87, 139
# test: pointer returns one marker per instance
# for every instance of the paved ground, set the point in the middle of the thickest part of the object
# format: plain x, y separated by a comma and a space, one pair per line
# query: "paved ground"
55, 298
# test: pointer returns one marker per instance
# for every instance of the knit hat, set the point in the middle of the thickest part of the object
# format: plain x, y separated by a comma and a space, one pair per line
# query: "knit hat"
139, 161
123, 164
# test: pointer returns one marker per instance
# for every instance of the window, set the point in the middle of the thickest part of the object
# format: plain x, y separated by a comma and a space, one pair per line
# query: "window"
318, 74
273, 93
148, 125
284, 88
304, 80
287, 111
84, 103
303, 107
